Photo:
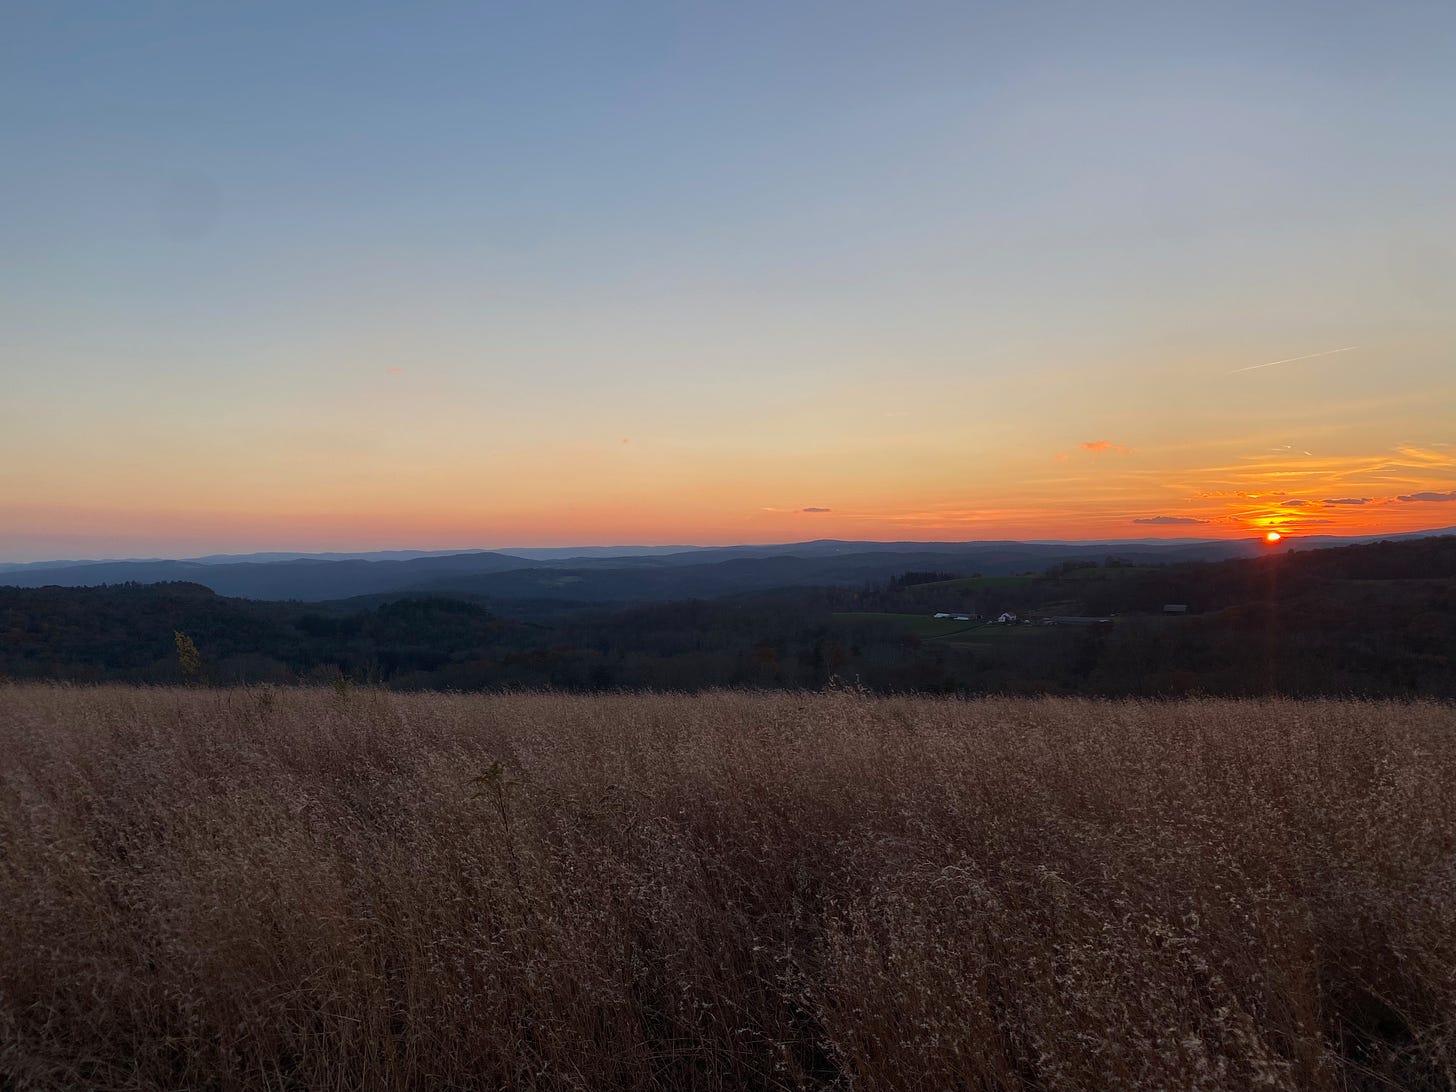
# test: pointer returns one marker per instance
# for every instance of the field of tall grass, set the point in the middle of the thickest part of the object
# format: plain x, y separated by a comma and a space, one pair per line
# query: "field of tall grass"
299, 889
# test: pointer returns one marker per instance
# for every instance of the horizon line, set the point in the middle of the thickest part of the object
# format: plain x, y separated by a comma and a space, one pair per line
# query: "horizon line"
365, 554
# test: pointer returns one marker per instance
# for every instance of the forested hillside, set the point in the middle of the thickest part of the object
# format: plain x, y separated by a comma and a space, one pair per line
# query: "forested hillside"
1376, 619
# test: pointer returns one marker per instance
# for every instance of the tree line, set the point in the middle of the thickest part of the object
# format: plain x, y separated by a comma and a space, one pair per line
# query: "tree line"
1377, 620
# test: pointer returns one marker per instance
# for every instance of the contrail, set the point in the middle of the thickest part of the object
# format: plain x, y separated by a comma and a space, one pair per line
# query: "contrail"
1292, 359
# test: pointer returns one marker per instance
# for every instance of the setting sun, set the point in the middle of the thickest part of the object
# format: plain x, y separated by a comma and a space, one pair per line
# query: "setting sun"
1272, 536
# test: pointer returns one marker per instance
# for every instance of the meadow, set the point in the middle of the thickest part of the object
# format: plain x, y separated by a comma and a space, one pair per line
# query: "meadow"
343, 888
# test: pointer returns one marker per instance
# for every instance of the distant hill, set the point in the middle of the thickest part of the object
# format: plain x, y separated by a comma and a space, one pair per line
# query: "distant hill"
306, 579
697, 573
1373, 619
529, 554
640, 574
674, 578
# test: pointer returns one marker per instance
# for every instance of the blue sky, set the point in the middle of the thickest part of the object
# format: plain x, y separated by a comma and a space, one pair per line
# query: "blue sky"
338, 275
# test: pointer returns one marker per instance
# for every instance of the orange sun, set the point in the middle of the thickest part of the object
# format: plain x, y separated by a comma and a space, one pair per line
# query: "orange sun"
1272, 536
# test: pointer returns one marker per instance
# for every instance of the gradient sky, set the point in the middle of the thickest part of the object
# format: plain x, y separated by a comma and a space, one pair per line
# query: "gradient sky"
314, 276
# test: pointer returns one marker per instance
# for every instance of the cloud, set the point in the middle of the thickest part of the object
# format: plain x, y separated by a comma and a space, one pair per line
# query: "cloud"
1106, 445
1451, 496
1294, 503
816, 509
1350, 500
1163, 521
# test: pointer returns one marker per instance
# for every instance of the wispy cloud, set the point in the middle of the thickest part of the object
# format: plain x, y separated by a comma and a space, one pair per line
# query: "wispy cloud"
1351, 500
1107, 446
1164, 521
1451, 496
1425, 456
1405, 468
816, 509
1292, 359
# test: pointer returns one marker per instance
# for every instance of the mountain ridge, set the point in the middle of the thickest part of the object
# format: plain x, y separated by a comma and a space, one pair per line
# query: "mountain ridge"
697, 572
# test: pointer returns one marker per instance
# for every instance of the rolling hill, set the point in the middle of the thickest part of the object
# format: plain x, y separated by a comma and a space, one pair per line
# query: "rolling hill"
644, 574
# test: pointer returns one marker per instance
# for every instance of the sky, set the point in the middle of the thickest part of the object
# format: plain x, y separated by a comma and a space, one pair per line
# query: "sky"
358, 276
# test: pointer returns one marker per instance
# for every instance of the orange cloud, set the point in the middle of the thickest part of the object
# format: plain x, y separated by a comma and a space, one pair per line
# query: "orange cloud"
1449, 496
1099, 446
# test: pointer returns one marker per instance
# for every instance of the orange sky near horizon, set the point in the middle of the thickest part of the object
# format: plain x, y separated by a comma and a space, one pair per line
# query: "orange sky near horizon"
424, 458
629, 494
350, 277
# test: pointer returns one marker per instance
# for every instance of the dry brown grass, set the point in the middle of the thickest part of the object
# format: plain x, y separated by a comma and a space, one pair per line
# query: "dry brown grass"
307, 889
